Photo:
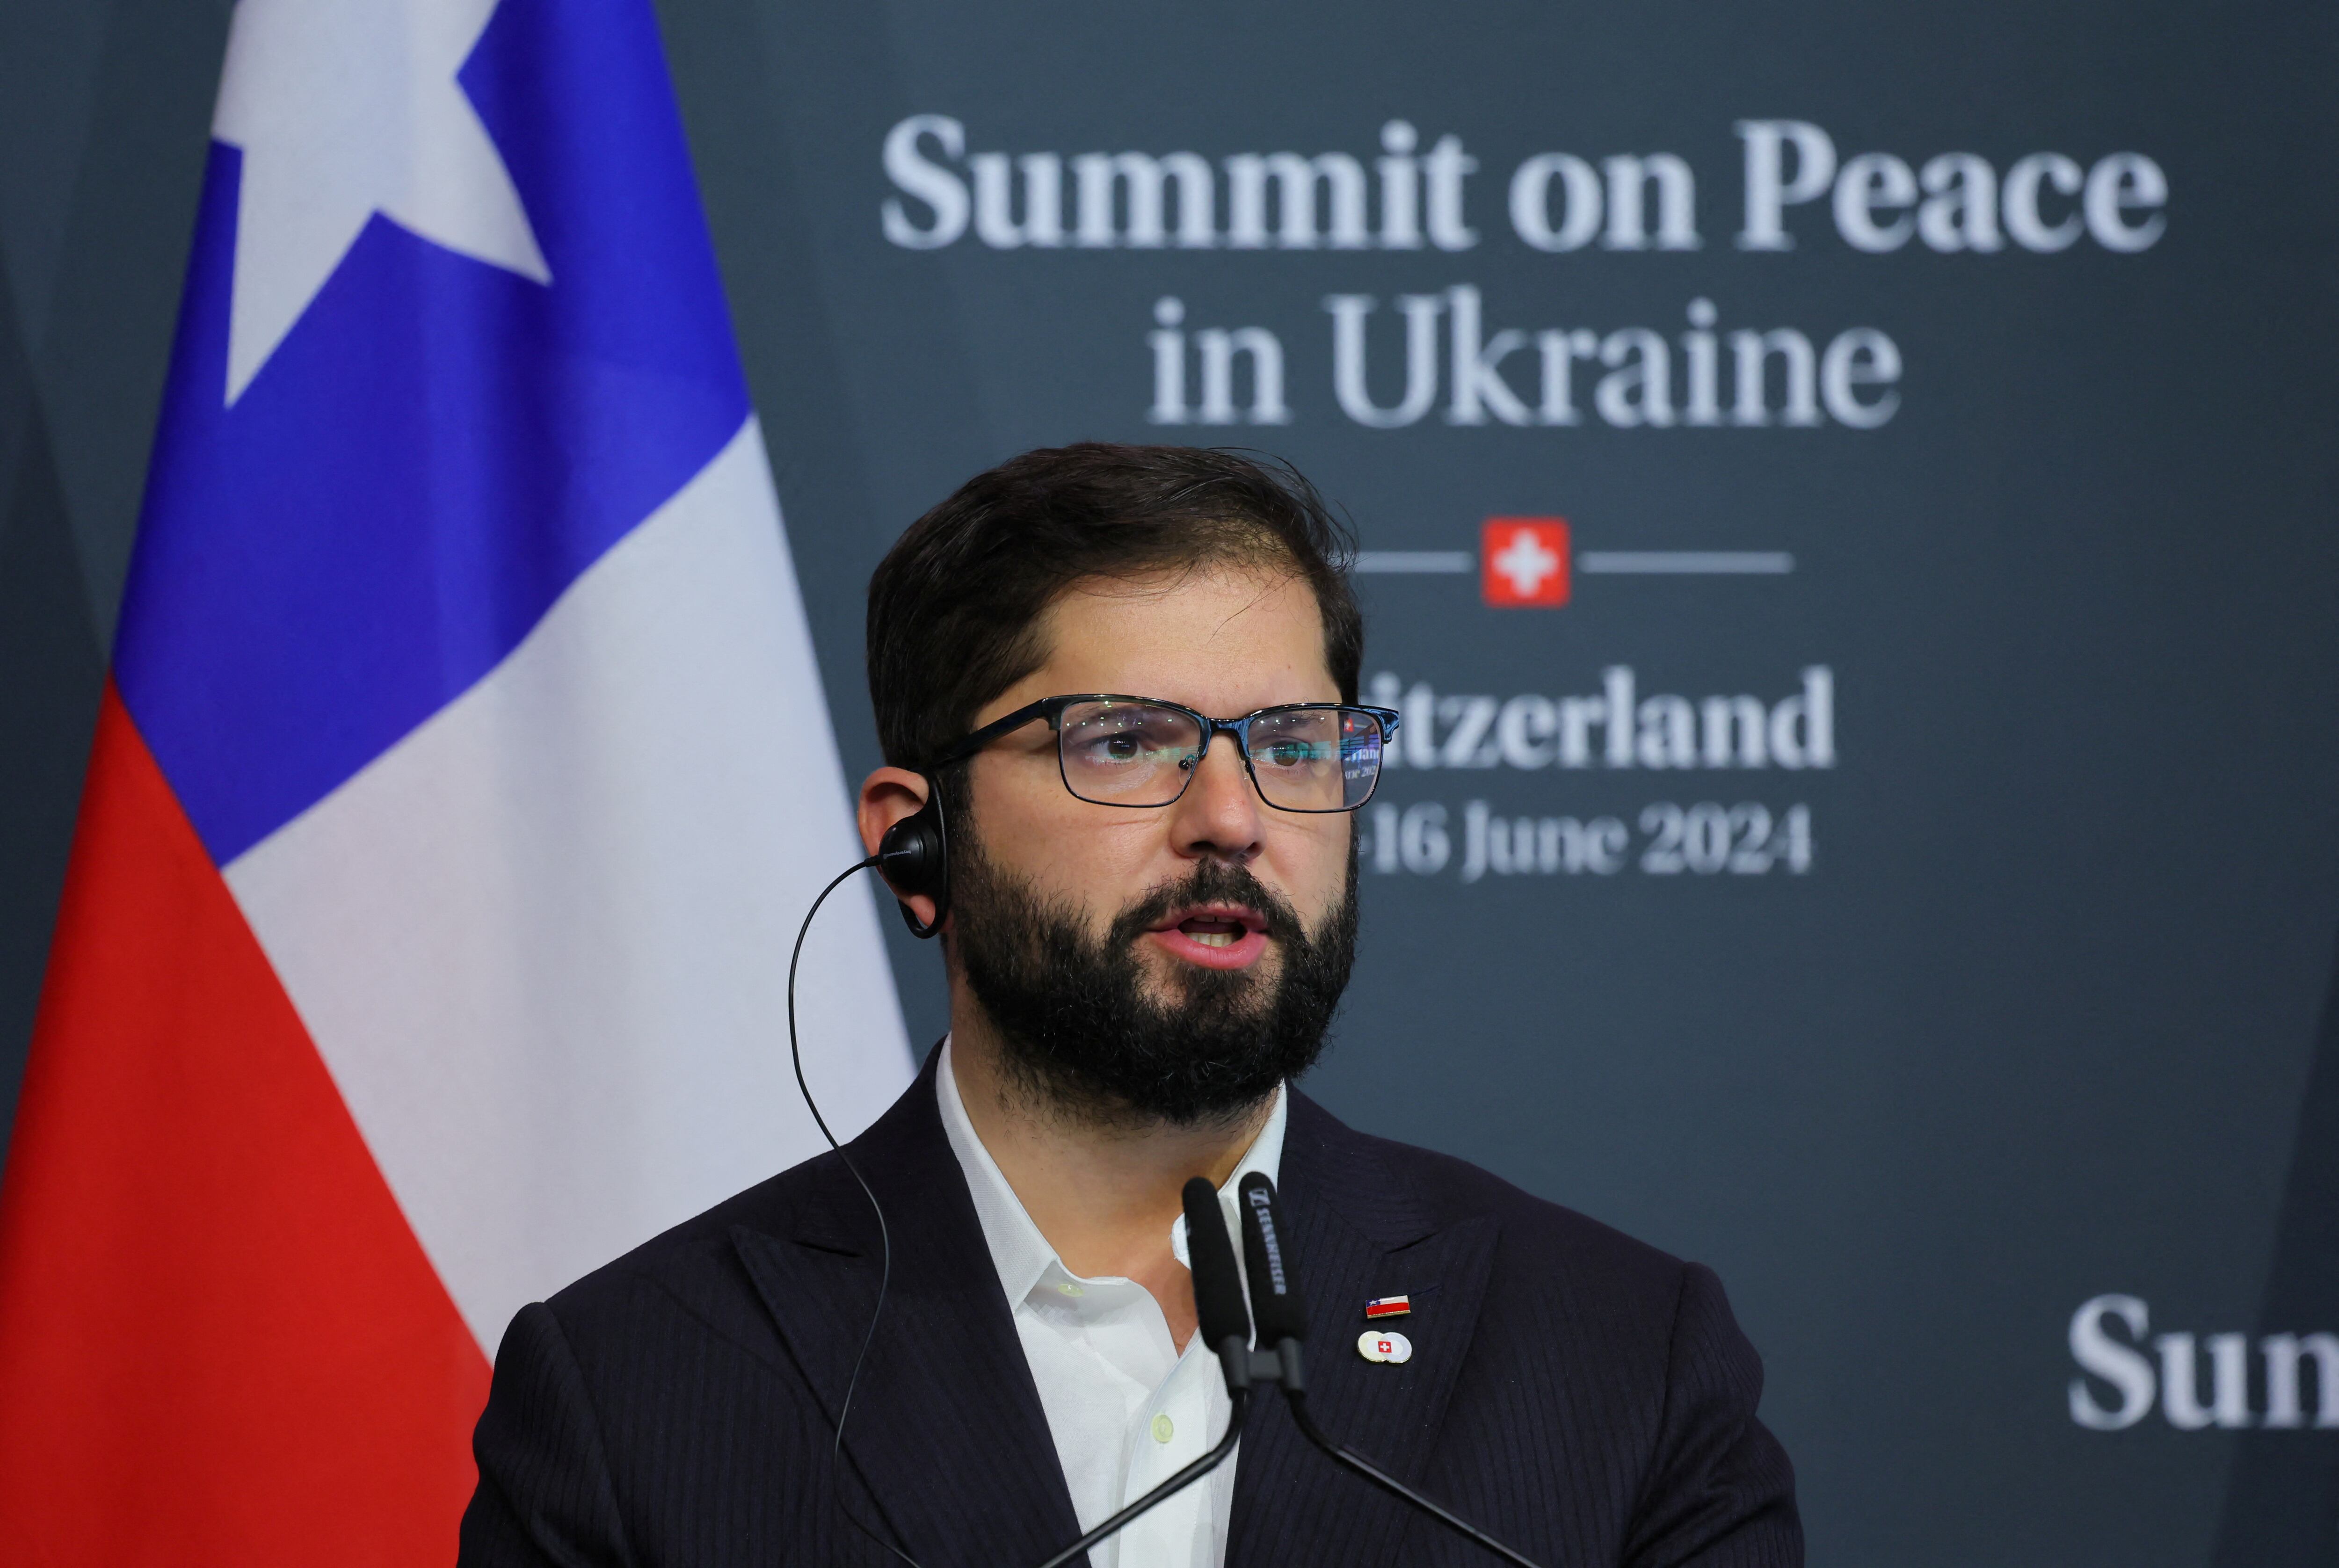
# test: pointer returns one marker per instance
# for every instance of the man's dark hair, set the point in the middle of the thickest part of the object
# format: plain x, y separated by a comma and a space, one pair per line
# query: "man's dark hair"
956, 607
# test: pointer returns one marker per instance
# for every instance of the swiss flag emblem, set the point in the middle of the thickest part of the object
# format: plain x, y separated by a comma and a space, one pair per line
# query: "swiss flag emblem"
1523, 561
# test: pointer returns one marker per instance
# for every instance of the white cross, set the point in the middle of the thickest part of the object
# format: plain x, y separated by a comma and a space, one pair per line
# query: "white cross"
1526, 562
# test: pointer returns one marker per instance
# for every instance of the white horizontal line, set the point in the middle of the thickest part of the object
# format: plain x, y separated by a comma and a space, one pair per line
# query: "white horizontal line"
1688, 563
1416, 561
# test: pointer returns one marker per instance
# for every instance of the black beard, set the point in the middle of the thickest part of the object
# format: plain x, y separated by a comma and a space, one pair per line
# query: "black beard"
1080, 1030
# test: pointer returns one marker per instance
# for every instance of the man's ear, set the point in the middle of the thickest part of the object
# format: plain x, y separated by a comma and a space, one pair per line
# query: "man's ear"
889, 796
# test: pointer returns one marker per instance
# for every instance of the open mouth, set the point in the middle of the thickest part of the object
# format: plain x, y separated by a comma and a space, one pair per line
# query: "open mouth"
1215, 936
1214, 930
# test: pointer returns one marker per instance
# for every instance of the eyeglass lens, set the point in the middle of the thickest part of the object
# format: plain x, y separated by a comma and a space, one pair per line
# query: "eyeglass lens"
1139, 755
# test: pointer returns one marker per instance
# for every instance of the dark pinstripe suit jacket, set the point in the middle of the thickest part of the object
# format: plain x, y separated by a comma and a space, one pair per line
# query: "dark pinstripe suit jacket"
1584, 1397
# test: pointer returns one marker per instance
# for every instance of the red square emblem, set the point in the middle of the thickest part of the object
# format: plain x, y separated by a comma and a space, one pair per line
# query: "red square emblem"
1523, 561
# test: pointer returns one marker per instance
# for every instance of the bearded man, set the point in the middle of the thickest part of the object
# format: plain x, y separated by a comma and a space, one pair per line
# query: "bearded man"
1119, 684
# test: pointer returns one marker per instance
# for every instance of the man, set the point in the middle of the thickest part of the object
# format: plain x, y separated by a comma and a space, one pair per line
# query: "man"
1125, 680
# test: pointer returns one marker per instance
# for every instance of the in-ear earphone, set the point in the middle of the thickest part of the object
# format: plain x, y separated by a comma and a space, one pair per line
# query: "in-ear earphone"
913, 857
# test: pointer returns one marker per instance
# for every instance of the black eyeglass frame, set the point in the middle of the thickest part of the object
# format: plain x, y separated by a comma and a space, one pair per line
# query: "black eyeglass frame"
1052, 710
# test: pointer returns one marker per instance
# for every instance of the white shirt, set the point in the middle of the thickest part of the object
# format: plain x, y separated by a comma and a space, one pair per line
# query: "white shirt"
1127, 1410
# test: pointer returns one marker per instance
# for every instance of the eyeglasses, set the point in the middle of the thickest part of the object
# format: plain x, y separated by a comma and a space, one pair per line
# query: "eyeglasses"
1140, 752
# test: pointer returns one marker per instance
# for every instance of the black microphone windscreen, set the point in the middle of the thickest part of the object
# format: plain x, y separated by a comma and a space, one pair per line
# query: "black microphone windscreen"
1217, 1288
1275, 1299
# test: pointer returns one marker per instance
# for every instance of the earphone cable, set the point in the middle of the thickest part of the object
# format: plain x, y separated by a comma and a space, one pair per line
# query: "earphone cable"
884, 1235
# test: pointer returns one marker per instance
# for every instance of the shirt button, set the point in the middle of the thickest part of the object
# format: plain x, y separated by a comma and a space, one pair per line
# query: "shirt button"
1069, 1289
1164, 1429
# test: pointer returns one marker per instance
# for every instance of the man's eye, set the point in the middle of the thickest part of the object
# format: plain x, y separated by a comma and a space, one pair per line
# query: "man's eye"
1127, 746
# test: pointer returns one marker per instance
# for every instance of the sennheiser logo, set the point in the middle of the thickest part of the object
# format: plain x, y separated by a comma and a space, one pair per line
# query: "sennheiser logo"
2108, 1336
1265, 1215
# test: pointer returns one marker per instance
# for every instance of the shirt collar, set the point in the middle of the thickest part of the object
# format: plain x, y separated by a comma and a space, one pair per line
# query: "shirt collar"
1018, 1250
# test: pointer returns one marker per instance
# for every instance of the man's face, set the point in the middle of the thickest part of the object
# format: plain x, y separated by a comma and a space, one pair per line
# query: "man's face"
1208, 939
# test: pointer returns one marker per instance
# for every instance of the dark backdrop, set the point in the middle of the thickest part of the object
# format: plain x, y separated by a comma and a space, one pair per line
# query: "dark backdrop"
2024, 997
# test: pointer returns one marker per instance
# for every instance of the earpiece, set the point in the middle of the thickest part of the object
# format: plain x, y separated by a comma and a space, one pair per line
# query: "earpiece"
913, 857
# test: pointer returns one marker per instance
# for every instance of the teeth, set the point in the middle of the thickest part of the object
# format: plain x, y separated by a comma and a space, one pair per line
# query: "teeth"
1214, 938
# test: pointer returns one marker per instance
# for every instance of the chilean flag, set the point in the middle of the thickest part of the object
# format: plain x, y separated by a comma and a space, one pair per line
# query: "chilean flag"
462, 778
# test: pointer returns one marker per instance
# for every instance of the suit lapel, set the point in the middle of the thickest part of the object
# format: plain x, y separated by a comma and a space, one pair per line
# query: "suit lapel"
1356, 1233
946, 1429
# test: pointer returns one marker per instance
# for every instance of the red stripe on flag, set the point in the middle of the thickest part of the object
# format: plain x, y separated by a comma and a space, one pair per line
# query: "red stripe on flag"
220, 1341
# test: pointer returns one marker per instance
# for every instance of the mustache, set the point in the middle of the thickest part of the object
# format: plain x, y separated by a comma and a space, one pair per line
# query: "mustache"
1213, 882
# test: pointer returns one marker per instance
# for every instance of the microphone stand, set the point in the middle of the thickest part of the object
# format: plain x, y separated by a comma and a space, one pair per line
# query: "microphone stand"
1225, 1326
1276, 1306
1297, 1399
1177, 1482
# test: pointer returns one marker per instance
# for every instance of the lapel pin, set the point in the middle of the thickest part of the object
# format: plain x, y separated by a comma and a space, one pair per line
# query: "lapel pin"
1388, 1306
1384, 1345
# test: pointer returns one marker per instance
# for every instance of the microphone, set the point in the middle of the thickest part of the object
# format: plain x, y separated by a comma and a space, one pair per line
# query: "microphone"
1225, 1329
1283, 1320
1217, 1286
1276, 1302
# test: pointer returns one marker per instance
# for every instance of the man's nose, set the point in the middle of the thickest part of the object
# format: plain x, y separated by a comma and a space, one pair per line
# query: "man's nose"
1218, 814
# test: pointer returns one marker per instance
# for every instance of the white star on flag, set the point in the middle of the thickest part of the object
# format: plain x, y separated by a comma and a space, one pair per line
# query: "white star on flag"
343, 109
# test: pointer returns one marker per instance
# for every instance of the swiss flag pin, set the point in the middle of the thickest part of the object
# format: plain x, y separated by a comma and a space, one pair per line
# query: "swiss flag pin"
1384, 1345
1523, 561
